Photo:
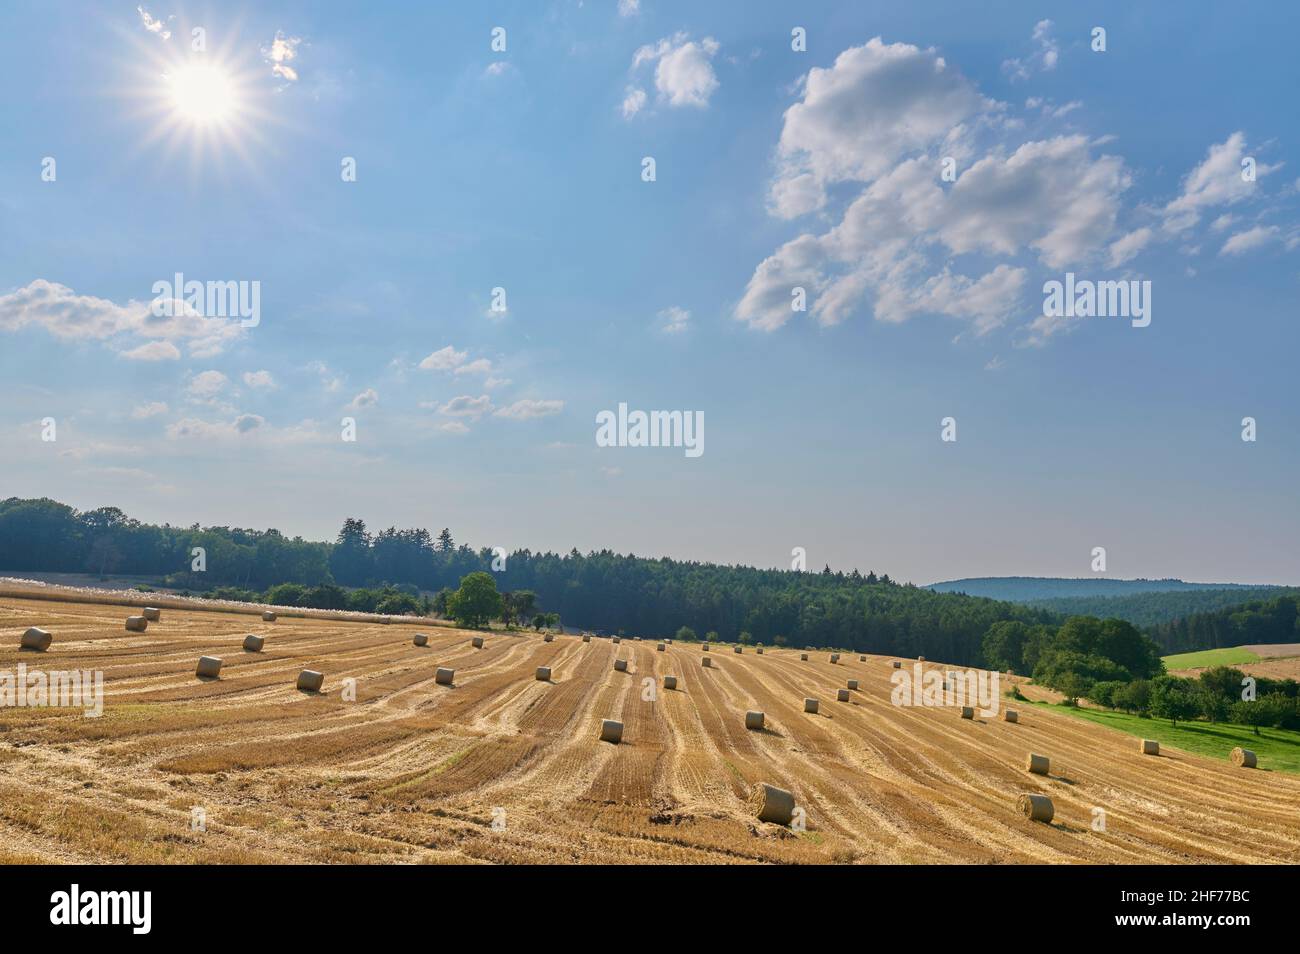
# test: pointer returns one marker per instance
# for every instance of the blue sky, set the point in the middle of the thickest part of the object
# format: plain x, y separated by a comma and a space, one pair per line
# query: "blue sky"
522, 169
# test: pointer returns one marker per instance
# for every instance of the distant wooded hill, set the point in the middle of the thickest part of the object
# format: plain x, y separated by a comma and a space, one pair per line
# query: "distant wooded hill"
1035, 589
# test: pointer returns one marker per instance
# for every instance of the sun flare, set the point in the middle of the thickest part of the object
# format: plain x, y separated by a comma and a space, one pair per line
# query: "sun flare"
202, 93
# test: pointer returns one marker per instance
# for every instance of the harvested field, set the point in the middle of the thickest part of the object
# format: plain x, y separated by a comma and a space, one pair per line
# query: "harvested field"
1272, 661
412, 771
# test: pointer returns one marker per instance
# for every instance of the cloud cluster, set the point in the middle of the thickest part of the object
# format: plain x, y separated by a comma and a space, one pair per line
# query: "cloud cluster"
280, 54
132, 330
683, 73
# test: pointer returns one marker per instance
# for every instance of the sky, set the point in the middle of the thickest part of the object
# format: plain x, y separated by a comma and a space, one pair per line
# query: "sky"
458, 247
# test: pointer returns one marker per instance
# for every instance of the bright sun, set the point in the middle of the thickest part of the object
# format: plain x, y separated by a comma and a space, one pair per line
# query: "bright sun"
202, 94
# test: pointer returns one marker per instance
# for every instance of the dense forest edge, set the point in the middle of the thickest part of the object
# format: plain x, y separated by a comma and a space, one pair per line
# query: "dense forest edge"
1109, 662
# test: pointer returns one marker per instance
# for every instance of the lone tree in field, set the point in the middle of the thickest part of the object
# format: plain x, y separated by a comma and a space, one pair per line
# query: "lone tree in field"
476, 602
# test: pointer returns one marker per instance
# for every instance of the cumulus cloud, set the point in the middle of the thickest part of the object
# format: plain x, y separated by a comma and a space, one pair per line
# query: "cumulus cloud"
1124, 248
453, 427
872, 130
280, 54
527, 410
259, 380
367, 398
206, 386
629, 8
467, 406
144, 411
683, 72
198, 429
64, 314
1243, 242
855, 119
444, 359
153, 351
674, 320
477, 366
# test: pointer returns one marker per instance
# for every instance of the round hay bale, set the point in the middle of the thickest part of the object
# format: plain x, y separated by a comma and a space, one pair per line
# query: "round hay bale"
586, 637
736, 649
670, 682
668, 641
810, 705
136, 624
835, 657
803, 657
1037, 764
548, 638
254, 643
421, 639
967, 712
842, 695
543, 673
920, 659
309, 680
897, 664
1037, 808
659, 648
772, 804
862, 659
477, 642
444, 676
1244, 758
853, 684
706, 663
620, 665
1150, 747
1010, 715
268, 616
611, 731
37, 639
617, 640
759, 650
209, 667
705, 647
152, 613
753, 720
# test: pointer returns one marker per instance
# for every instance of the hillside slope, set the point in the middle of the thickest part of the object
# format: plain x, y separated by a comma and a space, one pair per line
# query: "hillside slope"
412, 771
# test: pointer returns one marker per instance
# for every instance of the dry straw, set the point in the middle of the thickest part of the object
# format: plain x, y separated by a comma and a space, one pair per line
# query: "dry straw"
1243, 757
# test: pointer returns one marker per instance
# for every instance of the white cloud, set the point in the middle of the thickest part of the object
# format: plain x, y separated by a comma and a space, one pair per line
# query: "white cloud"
444, 359
1243, 242
1126, 247
629, 8
1044, 58
63, 313
153, 351
1217, 180
857, 118
198, 429
153, 25
683, 73
674, 320
467, 406
633, 100
206, 386
144, 411
492, 383
283, 51
367, 398
527, 410
453, 427
259, 380
477, 366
